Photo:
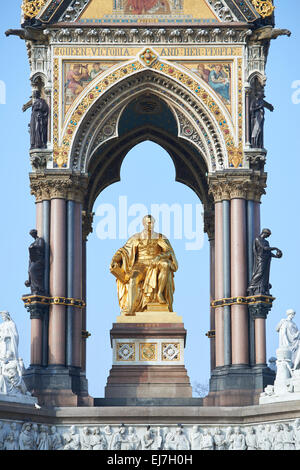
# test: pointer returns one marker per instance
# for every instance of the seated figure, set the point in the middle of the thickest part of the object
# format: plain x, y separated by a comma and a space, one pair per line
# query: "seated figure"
144, 268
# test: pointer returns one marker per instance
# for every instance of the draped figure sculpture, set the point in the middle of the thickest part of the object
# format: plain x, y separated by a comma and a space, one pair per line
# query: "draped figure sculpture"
263, 254
289, 337
144, 268
36, 265
257, 114
11, 365
39, 122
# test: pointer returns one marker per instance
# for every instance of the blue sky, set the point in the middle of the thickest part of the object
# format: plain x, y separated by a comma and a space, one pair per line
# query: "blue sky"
148, 177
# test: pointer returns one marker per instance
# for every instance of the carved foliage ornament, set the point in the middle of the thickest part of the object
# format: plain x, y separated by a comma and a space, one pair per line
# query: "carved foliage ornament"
31, 8
263, 7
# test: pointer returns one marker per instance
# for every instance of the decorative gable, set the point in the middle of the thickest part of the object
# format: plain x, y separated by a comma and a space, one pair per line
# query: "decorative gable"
152, 12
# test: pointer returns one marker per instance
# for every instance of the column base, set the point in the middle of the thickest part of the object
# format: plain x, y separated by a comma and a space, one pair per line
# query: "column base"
148, 361
238, 385
58, 386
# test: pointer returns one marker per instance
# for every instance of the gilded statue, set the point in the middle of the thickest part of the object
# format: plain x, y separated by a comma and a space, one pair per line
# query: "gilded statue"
144, 268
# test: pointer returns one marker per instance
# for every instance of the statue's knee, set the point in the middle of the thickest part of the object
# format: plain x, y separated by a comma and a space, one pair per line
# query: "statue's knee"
163, 265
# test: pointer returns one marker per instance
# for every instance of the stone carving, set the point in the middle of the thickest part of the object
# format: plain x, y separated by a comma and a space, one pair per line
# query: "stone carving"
148, 439
257, 116
56, 439
39, 122
36, 267
26, 440
251, 439
31, 436
287, 381
11, 365
85, 439
119, 439
97, 440
220, 440
168, 439
148, 35
134, 442
263, 254
71, 439
144, 269
207, 441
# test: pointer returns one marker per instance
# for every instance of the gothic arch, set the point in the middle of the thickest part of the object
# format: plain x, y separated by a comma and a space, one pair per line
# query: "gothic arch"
206, 120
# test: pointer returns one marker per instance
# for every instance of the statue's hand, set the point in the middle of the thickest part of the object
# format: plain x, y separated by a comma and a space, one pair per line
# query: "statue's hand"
116, 261
278, 253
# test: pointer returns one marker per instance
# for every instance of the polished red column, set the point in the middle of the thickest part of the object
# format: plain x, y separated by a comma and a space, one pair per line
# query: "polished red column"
219, 320
77, 279
57, 313
239, 313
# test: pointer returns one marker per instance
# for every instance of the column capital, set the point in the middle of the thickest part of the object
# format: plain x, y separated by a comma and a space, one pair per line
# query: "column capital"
57, 185
249, 185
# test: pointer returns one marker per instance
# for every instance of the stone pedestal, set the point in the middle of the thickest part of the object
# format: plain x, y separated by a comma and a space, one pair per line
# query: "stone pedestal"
148, 357
238, 385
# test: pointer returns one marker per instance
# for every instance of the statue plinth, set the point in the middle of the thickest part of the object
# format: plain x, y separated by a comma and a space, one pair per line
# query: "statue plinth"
155, 313
148, 357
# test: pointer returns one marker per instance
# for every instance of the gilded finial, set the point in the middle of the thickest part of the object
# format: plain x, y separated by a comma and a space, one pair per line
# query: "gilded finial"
263, 7
31, 8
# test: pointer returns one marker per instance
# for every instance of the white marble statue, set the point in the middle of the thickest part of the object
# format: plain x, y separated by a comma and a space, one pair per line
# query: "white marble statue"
289, 335
9, 338
287, 382
12, 386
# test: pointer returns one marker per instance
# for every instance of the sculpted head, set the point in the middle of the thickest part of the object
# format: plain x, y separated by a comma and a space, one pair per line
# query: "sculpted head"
33, 233
148, 222
266, 232
290, 313
5, 316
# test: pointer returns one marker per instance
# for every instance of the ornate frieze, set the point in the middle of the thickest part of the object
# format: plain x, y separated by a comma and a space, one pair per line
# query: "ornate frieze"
146, 35
32, 435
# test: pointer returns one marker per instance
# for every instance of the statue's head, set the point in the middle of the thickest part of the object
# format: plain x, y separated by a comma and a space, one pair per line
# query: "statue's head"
5, 316
266, 232
33, 233
290, 313
148, 222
